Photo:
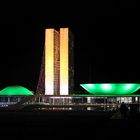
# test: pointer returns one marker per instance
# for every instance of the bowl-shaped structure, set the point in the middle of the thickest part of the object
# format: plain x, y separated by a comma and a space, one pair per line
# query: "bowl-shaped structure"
15, 90
111, 88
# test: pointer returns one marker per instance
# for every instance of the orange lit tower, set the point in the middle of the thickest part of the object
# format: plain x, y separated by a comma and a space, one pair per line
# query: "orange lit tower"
66, 61
58, 73
52, 47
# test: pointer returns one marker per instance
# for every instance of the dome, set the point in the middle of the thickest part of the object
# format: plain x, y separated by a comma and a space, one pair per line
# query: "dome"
111, 89
15, 90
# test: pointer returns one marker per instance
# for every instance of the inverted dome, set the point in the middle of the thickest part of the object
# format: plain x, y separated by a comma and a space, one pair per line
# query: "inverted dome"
15, 90
111, 89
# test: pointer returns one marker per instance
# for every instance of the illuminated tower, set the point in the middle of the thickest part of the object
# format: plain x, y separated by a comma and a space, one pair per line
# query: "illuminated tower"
58, 72
66, 61
52, 47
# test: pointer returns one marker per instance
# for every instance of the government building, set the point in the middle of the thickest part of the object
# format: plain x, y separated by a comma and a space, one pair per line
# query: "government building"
55, 89
57, 70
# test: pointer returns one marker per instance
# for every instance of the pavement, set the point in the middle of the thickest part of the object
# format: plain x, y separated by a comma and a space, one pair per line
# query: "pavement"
67, 124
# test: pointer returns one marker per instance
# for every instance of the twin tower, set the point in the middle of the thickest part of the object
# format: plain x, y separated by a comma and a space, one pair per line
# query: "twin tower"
57, 68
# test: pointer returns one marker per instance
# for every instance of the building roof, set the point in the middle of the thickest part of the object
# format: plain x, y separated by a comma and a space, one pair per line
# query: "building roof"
15, 90
111, 88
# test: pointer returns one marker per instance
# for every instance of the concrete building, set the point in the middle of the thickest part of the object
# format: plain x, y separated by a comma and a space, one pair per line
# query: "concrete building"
57, 70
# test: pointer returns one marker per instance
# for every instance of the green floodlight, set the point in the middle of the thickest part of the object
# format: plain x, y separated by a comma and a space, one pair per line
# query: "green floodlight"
15, 90
111, 88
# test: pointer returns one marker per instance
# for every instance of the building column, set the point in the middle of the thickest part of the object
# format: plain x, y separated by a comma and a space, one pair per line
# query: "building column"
8, 100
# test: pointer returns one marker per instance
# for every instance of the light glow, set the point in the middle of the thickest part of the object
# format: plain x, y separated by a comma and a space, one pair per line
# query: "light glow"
128, 86
106, 86
90, 85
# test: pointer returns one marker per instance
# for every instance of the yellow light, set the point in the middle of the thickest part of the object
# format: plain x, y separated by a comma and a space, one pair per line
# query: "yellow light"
49, 62
64, 61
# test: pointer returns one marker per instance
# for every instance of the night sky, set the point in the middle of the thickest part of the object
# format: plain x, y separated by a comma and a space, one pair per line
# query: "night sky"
106, 43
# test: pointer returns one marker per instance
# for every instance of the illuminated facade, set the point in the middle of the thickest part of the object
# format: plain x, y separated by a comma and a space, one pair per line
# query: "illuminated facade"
66, 61
52, 62
111, 89
16, 91
56, 82
57, 70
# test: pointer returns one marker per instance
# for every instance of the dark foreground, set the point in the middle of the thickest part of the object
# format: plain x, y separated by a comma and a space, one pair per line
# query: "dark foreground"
66, 124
